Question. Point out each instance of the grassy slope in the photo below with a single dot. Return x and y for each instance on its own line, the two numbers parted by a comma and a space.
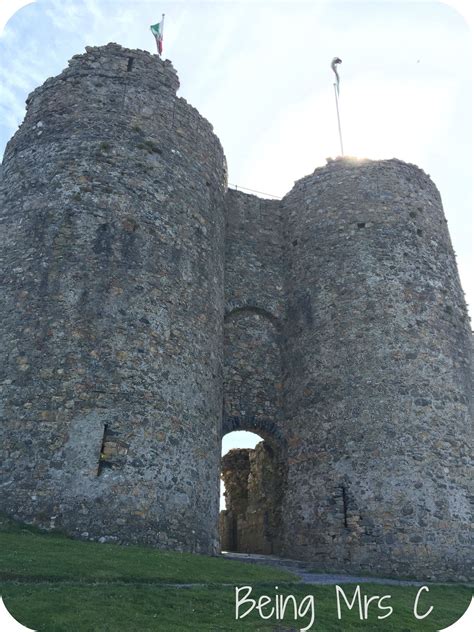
51, 557
53, 584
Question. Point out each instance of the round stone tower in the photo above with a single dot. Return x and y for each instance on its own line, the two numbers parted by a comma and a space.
377, 374
112, 293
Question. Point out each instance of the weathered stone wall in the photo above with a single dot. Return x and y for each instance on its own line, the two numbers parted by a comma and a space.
235, 471
266, 485
112, 296
251, 522
253, 254
254, 298
377, 376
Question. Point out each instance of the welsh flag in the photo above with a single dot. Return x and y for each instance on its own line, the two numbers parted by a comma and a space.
157, 30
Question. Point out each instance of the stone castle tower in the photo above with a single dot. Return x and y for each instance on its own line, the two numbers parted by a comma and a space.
147, 310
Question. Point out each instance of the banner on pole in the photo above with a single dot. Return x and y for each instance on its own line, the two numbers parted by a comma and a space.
157, 30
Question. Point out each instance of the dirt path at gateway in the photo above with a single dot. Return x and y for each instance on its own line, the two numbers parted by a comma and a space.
308, 576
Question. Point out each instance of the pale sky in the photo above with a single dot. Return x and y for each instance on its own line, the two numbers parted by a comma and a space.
260, 73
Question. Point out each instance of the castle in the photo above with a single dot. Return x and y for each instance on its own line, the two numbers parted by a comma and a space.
147, 310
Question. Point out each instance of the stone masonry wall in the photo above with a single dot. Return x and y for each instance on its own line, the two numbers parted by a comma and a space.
254, 299
112, 295
251, 522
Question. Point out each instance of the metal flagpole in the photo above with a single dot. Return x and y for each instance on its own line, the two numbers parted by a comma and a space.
338, 119
334, 64
162, 25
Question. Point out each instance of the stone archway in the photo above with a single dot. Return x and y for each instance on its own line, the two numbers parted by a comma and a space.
254, 478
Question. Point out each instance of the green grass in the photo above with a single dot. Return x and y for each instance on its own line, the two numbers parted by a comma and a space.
51, 583
65, 607
29, 554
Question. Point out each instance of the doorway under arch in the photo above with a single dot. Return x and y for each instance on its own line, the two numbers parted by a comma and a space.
252, 475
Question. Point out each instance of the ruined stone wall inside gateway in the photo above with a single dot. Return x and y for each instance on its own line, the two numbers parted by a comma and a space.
147, 311
254, 484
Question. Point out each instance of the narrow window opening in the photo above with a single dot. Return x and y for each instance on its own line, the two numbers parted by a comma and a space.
419, 232
344, 503
360, 224
102, 451
130, 64
113, 451
295, 242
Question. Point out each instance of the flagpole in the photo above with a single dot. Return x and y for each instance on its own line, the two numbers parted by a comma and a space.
162, 30
338, 119
334, 65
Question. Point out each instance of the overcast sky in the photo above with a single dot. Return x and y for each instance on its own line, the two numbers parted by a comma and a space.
259, 72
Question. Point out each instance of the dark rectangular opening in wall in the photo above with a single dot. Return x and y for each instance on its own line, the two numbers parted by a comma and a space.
419, 232
344, 503
130, 64
102, 446
360, 224
113, 451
